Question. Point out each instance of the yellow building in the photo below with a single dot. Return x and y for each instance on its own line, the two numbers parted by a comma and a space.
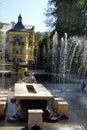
20, 42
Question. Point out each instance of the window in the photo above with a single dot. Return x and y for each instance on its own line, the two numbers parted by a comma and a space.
16, 51
17, 40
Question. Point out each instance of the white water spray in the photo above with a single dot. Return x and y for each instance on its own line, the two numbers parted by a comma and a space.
3, 55
54, 53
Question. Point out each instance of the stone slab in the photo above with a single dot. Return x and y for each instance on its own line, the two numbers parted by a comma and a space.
21, 92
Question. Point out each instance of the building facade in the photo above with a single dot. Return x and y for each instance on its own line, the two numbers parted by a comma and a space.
19, 42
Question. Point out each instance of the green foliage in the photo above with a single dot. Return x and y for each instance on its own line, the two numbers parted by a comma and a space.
67, 16
38, 36
42, 41
1, 24
82, 70
0, 40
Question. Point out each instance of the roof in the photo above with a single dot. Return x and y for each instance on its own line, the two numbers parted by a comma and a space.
10, 26
18, 27
6, 27
28, 26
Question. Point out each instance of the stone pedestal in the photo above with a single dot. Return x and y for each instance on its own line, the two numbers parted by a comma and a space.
62, 108
35, 118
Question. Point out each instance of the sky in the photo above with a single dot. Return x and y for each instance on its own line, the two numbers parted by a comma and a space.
32, 12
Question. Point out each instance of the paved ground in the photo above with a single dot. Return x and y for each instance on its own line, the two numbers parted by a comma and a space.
77, 110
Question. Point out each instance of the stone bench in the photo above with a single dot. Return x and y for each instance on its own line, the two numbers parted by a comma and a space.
62, 108
35, 118
2, 108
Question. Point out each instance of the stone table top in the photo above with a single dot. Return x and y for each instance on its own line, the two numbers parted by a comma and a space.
41, 92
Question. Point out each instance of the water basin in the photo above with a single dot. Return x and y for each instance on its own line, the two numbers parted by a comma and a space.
30, 89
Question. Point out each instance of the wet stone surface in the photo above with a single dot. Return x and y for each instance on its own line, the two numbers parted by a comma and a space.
77, 110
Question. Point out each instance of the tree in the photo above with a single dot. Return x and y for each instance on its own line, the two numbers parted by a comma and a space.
82, 71
38, 36
1, 25
67, 16
42, 42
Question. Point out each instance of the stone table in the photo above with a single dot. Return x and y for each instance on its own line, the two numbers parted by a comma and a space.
31, 96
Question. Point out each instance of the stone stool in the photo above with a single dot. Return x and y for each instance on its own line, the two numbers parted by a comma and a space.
3, 98
35, 118
54, 102
2, 108
62, 108
4, 93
